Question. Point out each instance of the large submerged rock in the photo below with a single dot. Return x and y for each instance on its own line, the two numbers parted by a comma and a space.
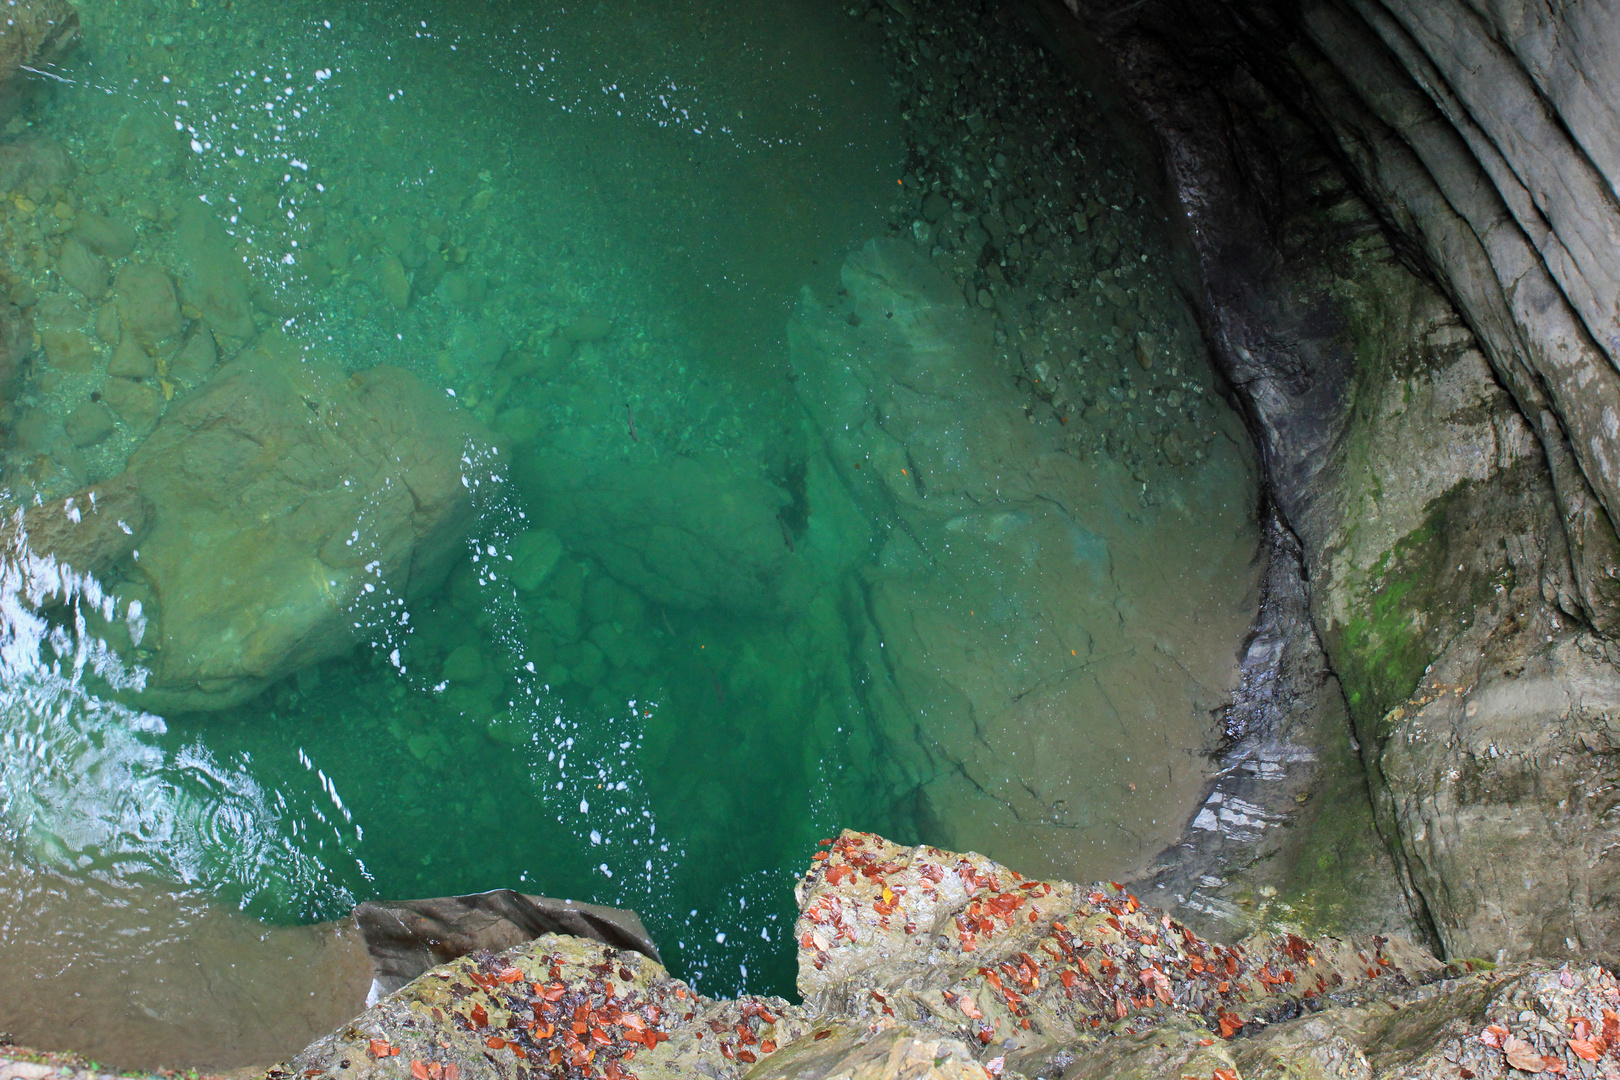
1049, 639
292, 506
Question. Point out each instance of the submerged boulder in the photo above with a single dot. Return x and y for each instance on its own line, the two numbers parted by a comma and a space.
1049, 644
293, 505
36, 32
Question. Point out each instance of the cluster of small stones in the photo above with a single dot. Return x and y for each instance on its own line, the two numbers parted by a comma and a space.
1019, 195
23, 1063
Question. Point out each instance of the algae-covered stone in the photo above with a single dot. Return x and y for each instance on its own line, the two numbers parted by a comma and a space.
215, 281
534, 556
83, 269
393, 282
292, 501
130, 361
147, 307
464, 665
68, 348
196, 359
137, 404
89, 424
106, 237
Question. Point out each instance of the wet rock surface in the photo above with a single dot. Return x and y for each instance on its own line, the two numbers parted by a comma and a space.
291, 504
918, 962
1031, 640
1450, 531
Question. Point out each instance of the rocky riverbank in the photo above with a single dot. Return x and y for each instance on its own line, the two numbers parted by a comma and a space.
917, 962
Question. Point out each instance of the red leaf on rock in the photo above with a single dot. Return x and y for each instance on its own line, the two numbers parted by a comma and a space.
479, 1016
495, 1042
1230, 1024
1494, 1036
418, 1070
1522, 1054
379, 1048
1225, 1074
1583, 1049
509, 975
747, 1057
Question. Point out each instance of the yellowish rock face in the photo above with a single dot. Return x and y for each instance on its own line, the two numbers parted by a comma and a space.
293, 502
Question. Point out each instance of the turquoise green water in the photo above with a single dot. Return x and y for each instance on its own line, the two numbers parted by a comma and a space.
945, 541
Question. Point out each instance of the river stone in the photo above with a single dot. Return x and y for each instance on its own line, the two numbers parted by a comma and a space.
88, 530
68, 349
16, 338
393, 282
130, 361
137, 404
83, 269
534, 556
196, 359
282, 491
89, 424
464, 665
215, 281
147, 307
107, 328
106, 237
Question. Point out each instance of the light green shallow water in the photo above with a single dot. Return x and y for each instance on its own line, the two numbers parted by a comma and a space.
815, 561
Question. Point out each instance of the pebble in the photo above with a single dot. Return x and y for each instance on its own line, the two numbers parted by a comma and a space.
197, 359
393, 282
130, 361
83, 269
137, 404
106, 237
147, 305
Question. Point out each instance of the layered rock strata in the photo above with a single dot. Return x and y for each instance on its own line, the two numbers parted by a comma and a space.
1407, 356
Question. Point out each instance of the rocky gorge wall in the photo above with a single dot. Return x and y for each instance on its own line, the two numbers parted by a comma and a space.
1401, 214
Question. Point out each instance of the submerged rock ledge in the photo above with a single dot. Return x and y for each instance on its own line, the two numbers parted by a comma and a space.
918, 962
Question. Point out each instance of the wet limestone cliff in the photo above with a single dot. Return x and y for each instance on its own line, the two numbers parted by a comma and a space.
1403, 220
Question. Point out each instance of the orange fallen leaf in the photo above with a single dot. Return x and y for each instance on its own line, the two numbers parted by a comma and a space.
495, 1042
1225, 1074
1522, 1054
379, 1048
1583, 1049
418, 1070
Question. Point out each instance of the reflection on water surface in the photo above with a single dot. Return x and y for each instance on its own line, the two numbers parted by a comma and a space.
538, 477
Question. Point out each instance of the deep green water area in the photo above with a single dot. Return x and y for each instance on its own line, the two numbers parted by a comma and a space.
787, 530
